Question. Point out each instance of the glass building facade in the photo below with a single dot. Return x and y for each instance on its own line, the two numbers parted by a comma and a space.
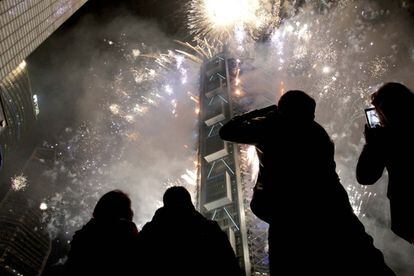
17, 106
24, 243
25, 24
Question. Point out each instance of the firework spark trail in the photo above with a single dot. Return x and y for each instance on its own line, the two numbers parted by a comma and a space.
219, 20
121, 147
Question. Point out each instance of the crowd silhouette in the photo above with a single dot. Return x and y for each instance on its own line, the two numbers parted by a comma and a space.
313, 229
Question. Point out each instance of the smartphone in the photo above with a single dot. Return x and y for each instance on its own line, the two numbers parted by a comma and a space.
372, 117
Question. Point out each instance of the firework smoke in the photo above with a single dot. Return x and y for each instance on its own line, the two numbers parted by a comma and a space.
135, 118
340, 55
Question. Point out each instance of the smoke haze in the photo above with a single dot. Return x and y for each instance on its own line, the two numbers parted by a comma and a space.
115, 105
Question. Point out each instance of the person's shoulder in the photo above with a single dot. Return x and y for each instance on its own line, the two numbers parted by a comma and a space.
88, 229
213, 227
205, 222
318, 129
128, 226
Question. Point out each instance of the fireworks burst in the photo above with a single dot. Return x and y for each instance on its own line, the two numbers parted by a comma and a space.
220, 20
19, 183
316, 51
150, 90
43, 206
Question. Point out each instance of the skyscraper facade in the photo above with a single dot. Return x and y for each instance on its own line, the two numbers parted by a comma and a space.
25, 24
18, 112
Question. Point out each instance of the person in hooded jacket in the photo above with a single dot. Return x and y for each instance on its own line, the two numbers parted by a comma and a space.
391, 147
107, 244
179, 241
312, 227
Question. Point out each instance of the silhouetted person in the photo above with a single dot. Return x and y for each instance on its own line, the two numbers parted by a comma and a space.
392, 146
313, 229
107, 244
180, 241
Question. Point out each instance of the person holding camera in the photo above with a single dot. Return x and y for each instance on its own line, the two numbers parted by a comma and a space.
313, 229
391, 146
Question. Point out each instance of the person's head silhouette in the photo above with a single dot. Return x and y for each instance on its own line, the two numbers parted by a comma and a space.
394, 103
297, 106
177, 197
113, 205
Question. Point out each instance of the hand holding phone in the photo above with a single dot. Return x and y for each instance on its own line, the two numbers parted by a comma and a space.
372, 117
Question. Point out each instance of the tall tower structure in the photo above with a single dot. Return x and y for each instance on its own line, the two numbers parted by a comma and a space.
221, 195
225, 189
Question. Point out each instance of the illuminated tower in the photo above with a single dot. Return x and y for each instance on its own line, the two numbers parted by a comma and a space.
223, 193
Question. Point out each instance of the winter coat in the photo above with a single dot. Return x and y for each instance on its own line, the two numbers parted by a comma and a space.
394, 150
183, 242
313, 229
104, 248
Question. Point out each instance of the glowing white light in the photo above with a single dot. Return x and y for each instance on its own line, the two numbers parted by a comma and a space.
174, 107
152, 73
326, 69
36, 104
19, 183
22, 65
240, 34
219, 19
290, 28
303, 32
168, 90
179, 59
136, 52
43, 206
237, 92
184, 76
140, 110
190, 177
129, 118
114, 108
253, 162
230, 12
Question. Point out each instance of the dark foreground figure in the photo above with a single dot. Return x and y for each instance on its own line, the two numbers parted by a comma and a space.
313, 229
392, 146
107, 244
180, 241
